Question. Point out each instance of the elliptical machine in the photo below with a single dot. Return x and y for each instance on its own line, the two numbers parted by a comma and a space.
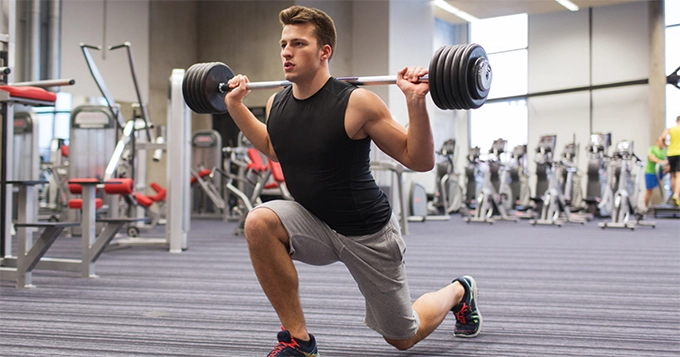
555, 208
490, 203
628, 187
471, 173
571, 177
599, 189
448, 195
519, 178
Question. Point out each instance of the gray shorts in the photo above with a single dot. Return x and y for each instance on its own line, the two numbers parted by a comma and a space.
376, 262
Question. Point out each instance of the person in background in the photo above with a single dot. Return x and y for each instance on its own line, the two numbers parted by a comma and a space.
656, 155
673, 157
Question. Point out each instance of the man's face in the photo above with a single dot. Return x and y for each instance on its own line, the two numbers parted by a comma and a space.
300, 52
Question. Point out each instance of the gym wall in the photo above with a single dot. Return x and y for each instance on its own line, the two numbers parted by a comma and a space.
562, 51
375, 37
105, 23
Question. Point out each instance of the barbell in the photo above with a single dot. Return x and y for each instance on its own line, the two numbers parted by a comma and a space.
459, 78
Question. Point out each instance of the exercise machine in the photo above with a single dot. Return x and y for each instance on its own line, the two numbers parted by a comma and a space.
448, 196
519, 178
599, 190
472, 178
555, 208
206, 189
571, 182
490, 203
625, 213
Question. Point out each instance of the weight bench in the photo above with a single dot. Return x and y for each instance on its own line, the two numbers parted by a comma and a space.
93, 244
29, 256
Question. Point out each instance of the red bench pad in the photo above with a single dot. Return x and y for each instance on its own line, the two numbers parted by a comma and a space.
77, 203
35, 93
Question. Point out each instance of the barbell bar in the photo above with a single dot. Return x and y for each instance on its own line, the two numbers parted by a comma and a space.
459, 78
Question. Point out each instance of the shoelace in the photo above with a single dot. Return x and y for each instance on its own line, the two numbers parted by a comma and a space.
282, 345
460, 315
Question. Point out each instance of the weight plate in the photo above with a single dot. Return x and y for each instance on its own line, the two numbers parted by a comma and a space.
206, 93
442, 74
439, 79
197, 89
188, 87
445, 78
432, 81
454, 78
217, 73
464, 64
481, 70
191, 97
479, 76
480, 73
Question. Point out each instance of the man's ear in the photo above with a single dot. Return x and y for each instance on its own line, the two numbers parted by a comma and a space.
326, 52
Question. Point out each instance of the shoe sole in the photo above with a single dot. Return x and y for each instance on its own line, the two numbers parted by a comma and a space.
475, 294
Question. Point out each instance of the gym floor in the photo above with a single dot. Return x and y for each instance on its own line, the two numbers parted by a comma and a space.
544, 291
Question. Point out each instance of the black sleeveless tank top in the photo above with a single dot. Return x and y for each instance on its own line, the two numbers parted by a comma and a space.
327, 172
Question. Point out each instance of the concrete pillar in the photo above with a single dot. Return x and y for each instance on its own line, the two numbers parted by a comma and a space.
657, 70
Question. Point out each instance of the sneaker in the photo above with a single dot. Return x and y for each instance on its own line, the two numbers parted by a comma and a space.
468, 318
288, 347
676, 200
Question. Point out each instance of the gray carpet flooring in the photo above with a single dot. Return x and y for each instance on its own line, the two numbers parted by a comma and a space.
544, 291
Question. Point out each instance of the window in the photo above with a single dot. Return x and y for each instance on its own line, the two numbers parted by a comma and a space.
53, 122
672, 12
502, 120
505, 40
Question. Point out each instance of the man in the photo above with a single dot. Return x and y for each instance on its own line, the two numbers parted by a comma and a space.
674, 158
320, 130
655, 155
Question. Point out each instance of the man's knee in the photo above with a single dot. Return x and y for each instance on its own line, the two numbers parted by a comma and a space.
263, 224
401, 344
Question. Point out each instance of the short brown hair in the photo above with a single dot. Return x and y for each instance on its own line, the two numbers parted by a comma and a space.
324, 27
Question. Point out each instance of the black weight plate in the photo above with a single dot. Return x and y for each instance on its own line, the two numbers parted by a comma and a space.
452, 79
444, 77
215, 74
478, 77
192, 89
199, 85
432, 75
474, 85
464, 65
479, 73
441, 76
455, 78
199, 88
208, 92
188, 87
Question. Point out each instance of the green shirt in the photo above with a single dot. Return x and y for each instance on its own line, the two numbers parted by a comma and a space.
659, 153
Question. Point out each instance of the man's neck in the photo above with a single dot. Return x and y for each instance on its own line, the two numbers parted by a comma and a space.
305, 89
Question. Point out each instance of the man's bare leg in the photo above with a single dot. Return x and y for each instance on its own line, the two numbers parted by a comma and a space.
268, 246
432, 309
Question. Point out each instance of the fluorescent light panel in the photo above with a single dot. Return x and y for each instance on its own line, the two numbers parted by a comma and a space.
454, 10
568, 4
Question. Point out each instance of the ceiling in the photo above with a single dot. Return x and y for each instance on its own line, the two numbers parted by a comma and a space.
483, 9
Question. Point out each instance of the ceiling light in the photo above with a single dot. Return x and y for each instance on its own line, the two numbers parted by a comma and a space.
568, 4
454, 10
